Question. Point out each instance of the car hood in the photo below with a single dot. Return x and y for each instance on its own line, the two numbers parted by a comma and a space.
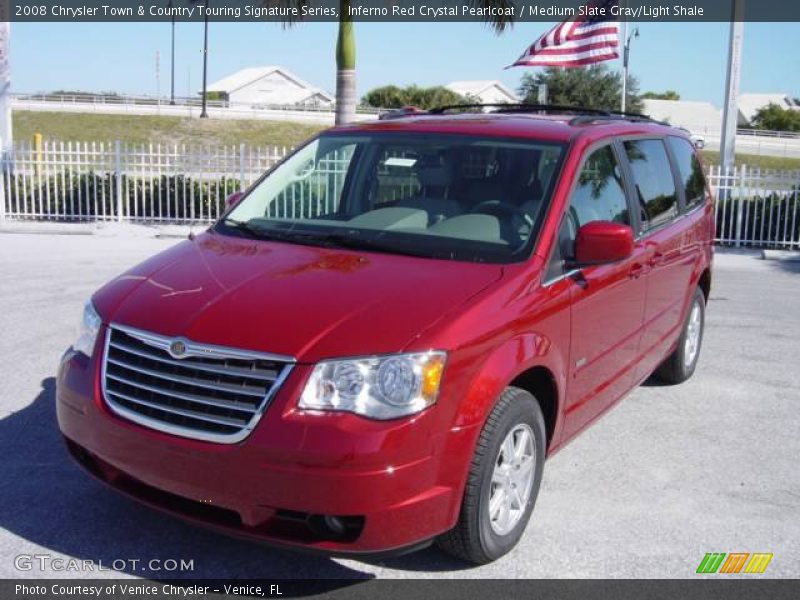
302, 301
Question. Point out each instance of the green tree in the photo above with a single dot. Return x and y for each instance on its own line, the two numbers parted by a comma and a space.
346, 47
391, 96
587, 87
775, 118
668, 95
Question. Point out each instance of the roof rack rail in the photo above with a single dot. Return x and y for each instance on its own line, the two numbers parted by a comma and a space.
583, 115
518, 107
615, 116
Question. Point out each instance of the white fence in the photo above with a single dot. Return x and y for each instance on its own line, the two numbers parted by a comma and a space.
67, 181
96, 181
757, 207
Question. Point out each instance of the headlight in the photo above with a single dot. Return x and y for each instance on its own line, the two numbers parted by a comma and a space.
380, 387
88, 330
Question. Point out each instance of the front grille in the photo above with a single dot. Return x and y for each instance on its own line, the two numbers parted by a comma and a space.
199, 391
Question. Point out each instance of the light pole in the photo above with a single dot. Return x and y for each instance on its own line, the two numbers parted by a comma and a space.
730, 115
626, 55
172, 68
158, 78
204, 110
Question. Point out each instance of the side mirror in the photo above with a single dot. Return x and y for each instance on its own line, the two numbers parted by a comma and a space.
601, 242
233, 200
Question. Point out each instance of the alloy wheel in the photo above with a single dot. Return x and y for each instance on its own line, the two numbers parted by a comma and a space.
512, 479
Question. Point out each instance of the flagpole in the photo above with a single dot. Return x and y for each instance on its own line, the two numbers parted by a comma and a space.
627, 38
730, 116
624, 65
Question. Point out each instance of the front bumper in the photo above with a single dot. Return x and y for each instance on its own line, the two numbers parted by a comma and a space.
393, 485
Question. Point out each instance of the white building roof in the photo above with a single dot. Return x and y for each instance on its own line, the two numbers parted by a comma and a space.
479, 88
250, 75
750, 104
697, 117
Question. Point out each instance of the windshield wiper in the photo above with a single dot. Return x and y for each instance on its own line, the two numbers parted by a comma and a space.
334, 239
244, 226
260, 232
356, 242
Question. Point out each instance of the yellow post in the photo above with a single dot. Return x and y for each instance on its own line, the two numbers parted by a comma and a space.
37, 152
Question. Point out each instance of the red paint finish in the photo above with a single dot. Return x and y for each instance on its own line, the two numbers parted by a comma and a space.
595, 333
602, 242
233, 199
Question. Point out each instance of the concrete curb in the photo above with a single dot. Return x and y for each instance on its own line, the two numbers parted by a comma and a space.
102, 229
781, 255
34, 231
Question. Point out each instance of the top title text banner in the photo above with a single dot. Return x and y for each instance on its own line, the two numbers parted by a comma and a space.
386, 10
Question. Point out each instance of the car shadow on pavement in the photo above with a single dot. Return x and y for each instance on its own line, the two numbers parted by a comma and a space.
430, 560
48, 501
654, 381
788, 266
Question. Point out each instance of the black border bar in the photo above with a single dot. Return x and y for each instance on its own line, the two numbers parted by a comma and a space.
704, 586
383, 10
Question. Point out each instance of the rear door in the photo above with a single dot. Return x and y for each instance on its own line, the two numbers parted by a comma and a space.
664, 235
607, 300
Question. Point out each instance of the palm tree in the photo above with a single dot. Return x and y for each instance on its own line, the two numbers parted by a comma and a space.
346, 49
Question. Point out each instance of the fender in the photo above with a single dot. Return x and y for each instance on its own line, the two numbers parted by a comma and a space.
703, 263
507, 362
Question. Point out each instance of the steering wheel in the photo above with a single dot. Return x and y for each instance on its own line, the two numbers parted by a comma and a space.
512, 218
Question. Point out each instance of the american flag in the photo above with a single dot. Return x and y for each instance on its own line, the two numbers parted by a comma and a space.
581, 40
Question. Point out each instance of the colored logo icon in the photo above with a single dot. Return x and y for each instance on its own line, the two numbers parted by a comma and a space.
733, 563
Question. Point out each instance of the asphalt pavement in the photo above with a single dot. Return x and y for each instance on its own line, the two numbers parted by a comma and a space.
668, 475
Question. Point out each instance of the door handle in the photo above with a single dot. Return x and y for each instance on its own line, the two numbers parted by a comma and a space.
656, 260
636, 271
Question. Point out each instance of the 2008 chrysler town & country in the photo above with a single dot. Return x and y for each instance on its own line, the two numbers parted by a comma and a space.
381, 341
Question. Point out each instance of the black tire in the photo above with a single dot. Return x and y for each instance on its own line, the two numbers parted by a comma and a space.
473, 538
675, 369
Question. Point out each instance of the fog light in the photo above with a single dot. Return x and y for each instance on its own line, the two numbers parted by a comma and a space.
335, 524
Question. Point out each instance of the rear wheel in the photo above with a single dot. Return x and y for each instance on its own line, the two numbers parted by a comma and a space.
503, 481
682, 362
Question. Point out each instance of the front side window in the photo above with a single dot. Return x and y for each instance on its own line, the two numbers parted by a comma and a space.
654, 184
691, 171
599, 195
439, 196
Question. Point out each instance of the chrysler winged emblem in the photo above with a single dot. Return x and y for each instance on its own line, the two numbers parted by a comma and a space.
177, 349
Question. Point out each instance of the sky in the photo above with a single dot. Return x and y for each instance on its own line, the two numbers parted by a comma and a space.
687, 57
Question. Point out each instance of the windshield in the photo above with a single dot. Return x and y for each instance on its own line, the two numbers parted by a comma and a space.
438, 196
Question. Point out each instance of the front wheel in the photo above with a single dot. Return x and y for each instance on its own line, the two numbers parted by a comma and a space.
680, 365
503, 481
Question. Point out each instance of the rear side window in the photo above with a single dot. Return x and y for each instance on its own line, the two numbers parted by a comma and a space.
691, 171
654, 183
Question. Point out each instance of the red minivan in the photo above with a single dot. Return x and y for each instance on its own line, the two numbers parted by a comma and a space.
381, 341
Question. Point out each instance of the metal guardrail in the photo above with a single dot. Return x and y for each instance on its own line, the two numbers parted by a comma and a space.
145, 100
791, 135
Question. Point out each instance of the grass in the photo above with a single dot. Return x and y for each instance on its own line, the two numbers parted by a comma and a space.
85, 127
88, 127
754, 160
